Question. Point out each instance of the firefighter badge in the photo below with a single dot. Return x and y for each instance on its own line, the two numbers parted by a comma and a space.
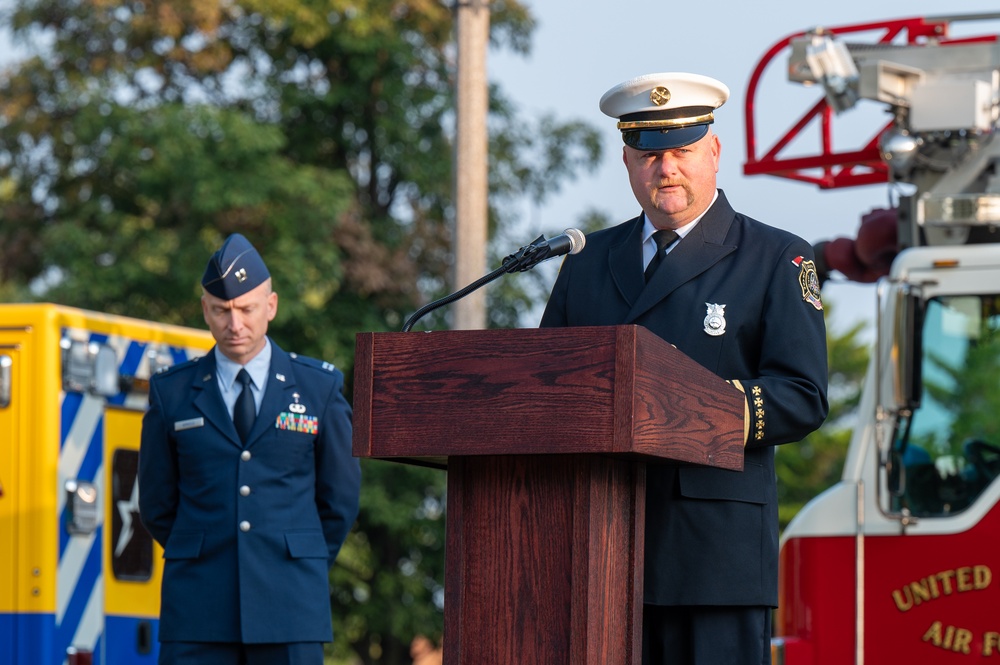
809, 282
715, 319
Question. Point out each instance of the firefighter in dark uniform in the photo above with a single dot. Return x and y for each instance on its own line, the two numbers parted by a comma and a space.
247, 479
742, 299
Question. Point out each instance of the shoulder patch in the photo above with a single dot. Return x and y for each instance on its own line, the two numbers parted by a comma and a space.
809, 282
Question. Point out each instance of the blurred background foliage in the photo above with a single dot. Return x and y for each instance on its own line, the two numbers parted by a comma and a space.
135, 135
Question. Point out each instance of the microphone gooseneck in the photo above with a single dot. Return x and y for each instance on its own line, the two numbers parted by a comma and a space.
571, 241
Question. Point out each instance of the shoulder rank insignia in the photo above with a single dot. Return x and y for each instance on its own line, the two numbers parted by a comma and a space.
715, 319
163, 369
809, 282
313, 362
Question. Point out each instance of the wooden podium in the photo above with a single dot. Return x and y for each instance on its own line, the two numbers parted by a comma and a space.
545, 434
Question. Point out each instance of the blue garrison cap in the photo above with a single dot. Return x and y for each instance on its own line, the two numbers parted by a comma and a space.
235, 269
664, 111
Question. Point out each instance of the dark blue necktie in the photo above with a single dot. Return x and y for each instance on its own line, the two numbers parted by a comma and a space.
245, 411
662, 238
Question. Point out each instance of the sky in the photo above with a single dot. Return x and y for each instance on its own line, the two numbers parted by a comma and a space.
581, 49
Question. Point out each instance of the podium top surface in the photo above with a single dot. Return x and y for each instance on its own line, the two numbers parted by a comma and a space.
619, 390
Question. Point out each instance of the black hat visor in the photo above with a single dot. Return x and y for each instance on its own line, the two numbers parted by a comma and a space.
663, 138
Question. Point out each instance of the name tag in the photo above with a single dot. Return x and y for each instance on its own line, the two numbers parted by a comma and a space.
188, 424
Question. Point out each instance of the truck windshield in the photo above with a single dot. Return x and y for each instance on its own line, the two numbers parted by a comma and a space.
950, 445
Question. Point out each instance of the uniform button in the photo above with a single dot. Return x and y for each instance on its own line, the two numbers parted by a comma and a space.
244, 526
245, 456
245, 490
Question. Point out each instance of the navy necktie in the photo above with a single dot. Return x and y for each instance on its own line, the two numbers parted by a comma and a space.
662, 238
245, 411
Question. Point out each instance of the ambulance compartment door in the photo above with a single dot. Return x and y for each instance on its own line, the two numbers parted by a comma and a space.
8, 503
133, 561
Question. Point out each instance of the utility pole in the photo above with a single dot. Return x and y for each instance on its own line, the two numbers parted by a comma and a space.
471, 163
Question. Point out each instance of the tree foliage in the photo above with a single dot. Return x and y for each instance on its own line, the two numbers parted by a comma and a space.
807, 468
967, 389
340, 91
394, 566
136, 135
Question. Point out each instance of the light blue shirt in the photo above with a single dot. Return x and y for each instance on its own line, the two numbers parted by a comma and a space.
258, 369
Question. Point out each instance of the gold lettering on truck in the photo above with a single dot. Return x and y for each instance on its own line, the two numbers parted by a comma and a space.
938, 585
949, 637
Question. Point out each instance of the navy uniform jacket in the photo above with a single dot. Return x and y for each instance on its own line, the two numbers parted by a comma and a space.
712, 534
249, 532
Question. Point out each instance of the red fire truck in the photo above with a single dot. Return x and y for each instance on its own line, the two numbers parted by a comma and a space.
899, 562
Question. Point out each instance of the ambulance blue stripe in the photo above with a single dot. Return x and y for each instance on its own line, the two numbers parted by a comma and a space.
99, 649
179, 355
70, 407
81, 595
63, 533
133, 356
91, 462
89, 466
32, 643
122, 637
7, 634
128, 367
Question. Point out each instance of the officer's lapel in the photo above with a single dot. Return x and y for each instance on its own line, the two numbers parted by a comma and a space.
277, 396
699, 250
208, 398
625, 263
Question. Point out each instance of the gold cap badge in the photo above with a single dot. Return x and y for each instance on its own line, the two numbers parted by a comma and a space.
659, 95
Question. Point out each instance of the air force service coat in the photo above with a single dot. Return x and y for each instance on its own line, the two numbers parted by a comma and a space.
712, 534
249, 531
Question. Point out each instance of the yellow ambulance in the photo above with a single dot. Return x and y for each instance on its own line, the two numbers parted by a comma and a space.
79, 575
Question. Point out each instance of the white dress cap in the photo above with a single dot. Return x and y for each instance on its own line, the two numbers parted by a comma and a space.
663, 92
665, 110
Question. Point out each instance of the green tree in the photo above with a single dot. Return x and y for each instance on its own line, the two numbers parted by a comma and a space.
807, 468
137, 134
344, 89
398, 556
968, 390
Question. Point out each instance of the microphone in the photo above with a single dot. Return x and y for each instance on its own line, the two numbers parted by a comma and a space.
570, 242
